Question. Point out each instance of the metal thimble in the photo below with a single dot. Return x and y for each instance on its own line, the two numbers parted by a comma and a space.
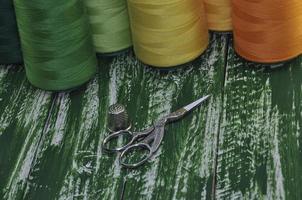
118, 118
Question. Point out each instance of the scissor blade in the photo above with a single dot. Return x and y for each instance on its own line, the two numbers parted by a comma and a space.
196, 103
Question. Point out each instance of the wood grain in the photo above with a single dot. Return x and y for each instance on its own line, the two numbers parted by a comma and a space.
23, 114
50, 143
70, 163
259, 148
184, 166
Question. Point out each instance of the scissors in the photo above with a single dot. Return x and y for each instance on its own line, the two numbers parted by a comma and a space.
149, 139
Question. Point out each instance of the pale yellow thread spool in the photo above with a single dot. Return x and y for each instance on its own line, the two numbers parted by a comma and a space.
219, 14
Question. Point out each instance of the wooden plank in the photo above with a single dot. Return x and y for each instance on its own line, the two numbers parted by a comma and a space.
260, 153
23, 113
70, 163
67, 155
183, 168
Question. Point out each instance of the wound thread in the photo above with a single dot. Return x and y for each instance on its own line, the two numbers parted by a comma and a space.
267, 31
110, 25
10, 50
168, 33
56, 43
219, 14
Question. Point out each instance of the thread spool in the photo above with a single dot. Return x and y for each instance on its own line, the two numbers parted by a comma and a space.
168, 33
56, 43
267, 31
219, 14
10, 50
110, 25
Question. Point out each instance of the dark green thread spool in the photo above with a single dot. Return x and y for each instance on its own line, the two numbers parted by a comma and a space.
10, 50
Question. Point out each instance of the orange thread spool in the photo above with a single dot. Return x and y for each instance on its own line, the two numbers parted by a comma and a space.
267, 31
219, 14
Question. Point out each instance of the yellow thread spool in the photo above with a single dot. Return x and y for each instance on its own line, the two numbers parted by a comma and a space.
168, 33
219, 14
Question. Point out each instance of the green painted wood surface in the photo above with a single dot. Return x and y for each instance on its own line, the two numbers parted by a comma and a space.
184, 166
244, 143
260, 152
23, 114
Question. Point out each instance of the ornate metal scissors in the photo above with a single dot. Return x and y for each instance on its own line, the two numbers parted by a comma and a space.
149, 139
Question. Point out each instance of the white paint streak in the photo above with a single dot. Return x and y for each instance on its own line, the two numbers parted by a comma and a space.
59, 127
279, 192
89, 121
32, 121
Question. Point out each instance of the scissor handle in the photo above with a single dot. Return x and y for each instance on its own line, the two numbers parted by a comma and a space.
130, 148
114, 136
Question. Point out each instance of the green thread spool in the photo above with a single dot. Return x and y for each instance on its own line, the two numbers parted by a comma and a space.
56, 43
110, 25
10, 50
